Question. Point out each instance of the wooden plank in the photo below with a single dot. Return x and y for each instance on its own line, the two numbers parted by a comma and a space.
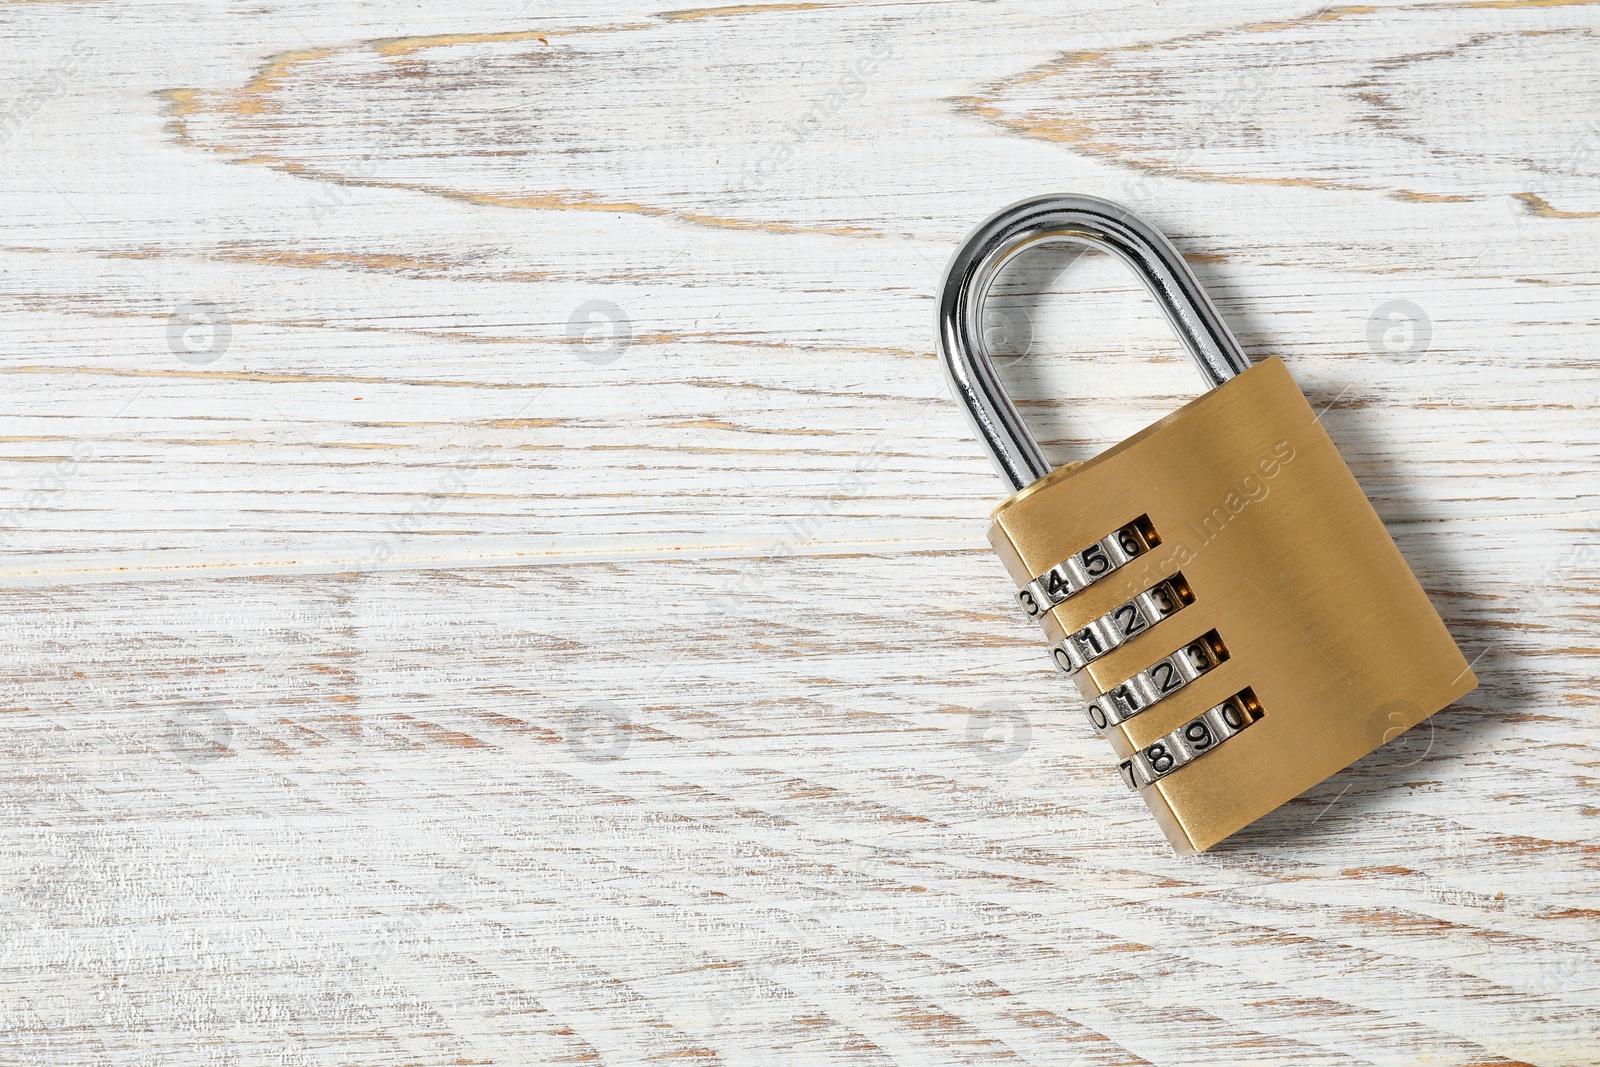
493, 575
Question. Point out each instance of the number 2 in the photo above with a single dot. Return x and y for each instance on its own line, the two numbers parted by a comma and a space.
1128, 620
1166, 676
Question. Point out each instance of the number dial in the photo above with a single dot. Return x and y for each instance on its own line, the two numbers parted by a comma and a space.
1121, 624
1087, 566
1190, 741
1156, 682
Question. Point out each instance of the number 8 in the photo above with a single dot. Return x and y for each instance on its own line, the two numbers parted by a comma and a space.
1161, 760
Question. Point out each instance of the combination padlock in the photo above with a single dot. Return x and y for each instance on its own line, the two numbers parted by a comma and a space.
1239, 623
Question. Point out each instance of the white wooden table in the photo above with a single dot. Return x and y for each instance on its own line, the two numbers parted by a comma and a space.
492, 574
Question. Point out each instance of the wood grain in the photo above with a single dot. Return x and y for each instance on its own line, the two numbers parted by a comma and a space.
493, 575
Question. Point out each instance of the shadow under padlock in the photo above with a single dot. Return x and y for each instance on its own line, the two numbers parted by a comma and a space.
1234, 614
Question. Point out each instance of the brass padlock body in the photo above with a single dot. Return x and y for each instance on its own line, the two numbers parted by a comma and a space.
1286, 562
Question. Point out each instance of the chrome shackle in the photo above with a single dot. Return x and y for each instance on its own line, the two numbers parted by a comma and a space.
1062, 219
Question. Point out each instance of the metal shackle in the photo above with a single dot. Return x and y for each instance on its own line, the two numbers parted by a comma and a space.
1062, 219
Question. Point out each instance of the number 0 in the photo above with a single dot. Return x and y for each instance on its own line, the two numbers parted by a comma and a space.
1232, 716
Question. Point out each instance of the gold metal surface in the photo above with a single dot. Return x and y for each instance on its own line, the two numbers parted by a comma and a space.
1290, 566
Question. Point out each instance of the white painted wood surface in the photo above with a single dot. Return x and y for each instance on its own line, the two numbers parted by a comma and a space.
418, 666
